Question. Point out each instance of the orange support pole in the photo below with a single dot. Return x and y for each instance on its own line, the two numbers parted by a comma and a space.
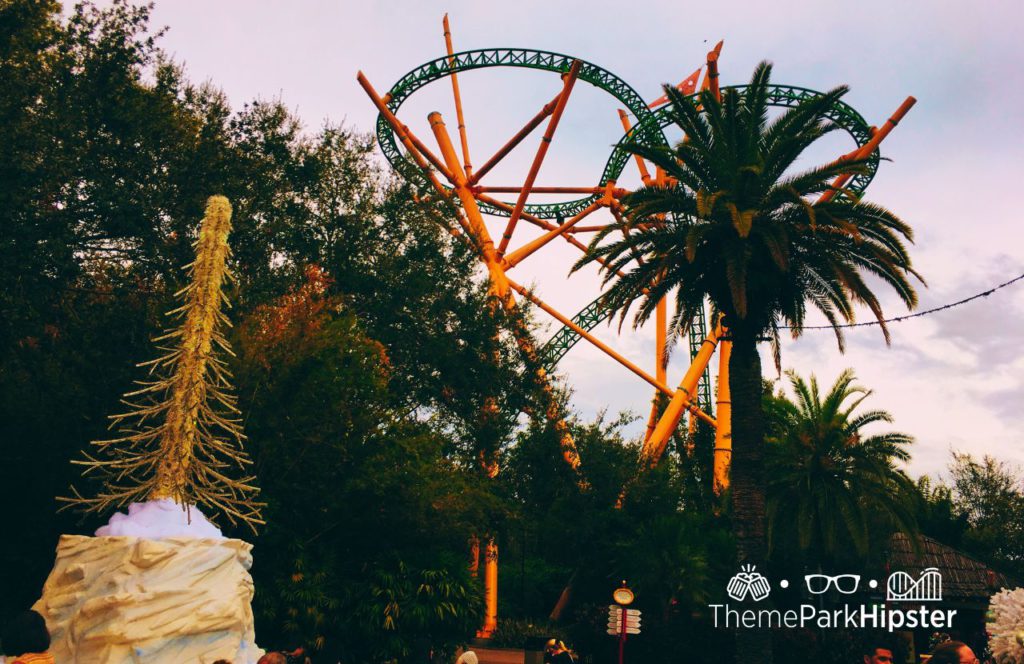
410, 143
682, 400
544, 112
661, 336
538, 159
652, 419
870, 147
458, 100
645, 175
660, 340
499, 283
723, 433
416, 149
591, 338
490, 590
711, 78
518, 255
543, 224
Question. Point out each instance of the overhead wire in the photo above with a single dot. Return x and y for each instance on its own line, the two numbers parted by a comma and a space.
919, 314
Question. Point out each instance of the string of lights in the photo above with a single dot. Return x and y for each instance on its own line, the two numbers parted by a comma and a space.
919, 314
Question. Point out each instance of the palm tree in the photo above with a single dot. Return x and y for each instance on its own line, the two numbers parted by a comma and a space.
828, 480
738, 229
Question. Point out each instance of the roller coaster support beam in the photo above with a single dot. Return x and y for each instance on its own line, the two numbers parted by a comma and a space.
526, 250
684, 399
537, 221
467, 166
499, 282
711, 77
416, 149
544, 112
490, 590
564, 320
645, 175
538, 159
869, 147
723, 414
410, 142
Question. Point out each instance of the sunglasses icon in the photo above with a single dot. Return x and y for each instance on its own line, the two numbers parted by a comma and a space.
818, 584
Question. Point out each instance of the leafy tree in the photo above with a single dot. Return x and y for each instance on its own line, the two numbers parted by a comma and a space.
738, 229
113, 153
988, 494
829, 480
938, 516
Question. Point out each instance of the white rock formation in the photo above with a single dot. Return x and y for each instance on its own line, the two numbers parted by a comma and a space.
125, 599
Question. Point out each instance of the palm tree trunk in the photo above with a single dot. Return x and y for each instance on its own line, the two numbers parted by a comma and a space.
748, 482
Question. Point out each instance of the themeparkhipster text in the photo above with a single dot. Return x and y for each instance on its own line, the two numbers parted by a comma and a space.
875, 616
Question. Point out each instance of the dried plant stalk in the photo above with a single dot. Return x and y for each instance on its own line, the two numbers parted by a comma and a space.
181, 436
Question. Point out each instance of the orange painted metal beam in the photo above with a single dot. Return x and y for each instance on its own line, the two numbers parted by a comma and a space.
499, 283
645, 175
660, 359
415, 148
405, 136
588, 229
538, 159
723, 434
537, 221
490, 591
404, 133
870, 147
534, 122
467, 166
683, 399
661, 337
518, 255
709, 79
564, 320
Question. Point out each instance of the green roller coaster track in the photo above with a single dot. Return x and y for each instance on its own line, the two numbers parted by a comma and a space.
648, 129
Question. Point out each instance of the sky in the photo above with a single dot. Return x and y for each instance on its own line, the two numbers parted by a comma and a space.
953, 169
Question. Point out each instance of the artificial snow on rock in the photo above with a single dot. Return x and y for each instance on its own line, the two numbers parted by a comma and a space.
157, 519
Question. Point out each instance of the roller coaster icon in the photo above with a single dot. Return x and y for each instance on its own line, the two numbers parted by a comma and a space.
901, 587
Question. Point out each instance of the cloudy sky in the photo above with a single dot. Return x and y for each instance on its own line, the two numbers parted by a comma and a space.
954, 380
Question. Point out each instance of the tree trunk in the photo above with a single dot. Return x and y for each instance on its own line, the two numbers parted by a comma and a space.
748, 483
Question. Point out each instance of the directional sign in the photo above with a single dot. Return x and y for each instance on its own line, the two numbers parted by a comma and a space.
632, 630
613, 632
632, 612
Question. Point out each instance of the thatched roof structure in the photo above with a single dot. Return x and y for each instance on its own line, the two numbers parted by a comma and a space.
963, 578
